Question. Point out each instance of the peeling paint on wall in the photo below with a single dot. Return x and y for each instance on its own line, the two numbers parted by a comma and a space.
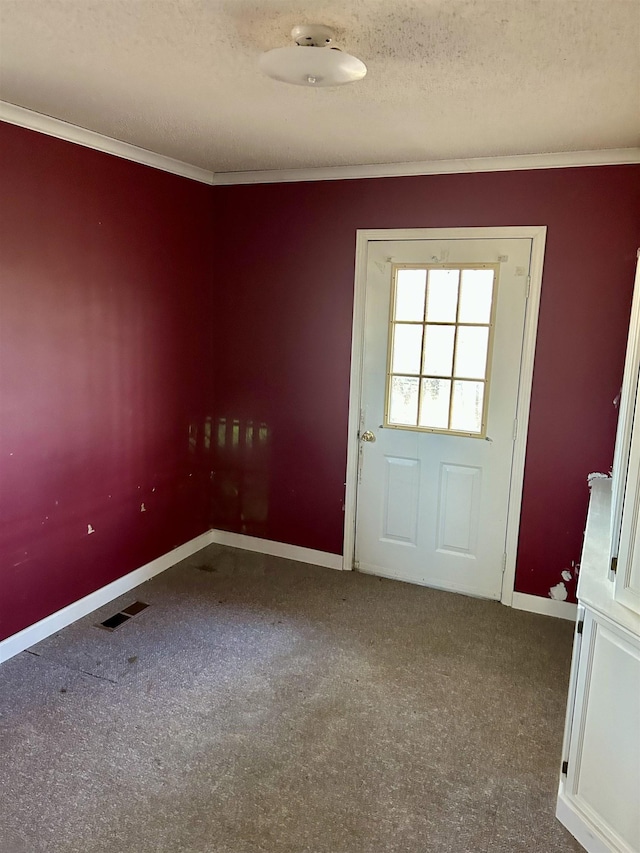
105, 418
558, 592
566, 575
596, 475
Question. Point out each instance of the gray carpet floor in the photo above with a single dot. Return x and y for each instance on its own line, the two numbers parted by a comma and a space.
260, 704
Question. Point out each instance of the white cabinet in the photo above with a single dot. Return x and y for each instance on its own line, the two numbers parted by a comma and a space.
599, 795
599, 798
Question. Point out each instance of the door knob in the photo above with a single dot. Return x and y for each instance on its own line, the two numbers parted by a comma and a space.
367, 436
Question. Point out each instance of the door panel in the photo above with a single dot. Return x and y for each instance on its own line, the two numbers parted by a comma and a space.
402, 485
432, 502
459, 509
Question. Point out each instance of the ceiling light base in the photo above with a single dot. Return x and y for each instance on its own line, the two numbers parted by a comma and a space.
312, 35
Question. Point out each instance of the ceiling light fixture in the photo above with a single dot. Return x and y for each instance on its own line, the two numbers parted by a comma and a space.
317, 64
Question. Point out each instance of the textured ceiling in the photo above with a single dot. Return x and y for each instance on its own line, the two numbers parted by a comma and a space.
447, 78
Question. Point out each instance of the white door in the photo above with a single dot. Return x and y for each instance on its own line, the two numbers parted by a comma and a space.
444, 322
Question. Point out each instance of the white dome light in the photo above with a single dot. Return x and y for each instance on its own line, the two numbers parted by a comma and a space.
311, 61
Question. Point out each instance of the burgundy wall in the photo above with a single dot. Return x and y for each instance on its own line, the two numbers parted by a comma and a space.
105, 312
283, 335
114, 393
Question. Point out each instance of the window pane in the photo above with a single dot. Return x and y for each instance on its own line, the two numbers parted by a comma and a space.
434, 405
410, 288
442, 296
438, 350
403, 405
471, 351
476, 291
466, 411
407, 346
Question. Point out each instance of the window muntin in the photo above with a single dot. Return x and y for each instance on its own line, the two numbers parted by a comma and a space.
440, 341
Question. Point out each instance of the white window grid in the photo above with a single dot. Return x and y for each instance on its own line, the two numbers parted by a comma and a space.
452, 378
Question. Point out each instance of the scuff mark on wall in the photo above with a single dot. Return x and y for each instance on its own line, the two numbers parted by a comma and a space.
90, 529
558, 592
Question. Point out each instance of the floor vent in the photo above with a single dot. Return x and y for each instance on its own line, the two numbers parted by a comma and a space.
114, 622
135, 608
123, 616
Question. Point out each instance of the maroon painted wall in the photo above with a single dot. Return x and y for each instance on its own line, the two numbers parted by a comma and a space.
187, 348
105, 311
283, 335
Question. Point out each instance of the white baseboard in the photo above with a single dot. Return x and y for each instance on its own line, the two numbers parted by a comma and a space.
56, 621
545, 606
589, 837
277, 549
76, 610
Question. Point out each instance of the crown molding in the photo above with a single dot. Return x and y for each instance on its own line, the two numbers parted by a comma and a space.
516, 162
22, 117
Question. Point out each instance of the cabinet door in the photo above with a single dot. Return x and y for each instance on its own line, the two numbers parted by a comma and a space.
624, 432
625, 541
603, 774
627, 583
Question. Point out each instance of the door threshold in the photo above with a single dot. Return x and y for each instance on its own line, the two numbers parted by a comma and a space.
378, 571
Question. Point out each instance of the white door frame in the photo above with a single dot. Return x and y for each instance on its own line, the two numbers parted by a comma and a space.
537, 234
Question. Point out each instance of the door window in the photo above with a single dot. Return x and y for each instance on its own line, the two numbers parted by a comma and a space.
440, 340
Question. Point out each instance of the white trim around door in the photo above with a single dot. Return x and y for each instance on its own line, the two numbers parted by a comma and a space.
537, 234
